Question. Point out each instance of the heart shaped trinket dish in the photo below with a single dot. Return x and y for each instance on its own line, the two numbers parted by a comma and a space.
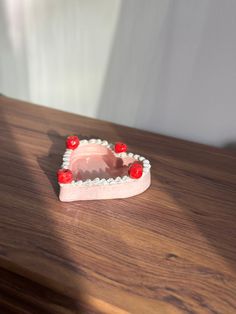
95, 169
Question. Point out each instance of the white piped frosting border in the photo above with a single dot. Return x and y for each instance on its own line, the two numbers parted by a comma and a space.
97, 181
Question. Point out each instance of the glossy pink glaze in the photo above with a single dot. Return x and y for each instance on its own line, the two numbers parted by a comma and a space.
90, 161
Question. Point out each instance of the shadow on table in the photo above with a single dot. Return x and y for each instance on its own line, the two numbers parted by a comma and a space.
208, 201
30, 246
231, 146
52, 161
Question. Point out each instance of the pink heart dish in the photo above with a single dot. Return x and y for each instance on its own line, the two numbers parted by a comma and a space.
95, 169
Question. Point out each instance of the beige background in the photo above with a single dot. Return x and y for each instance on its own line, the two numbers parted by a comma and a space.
164, 66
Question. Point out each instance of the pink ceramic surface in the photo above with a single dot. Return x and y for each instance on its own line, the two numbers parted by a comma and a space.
100, 173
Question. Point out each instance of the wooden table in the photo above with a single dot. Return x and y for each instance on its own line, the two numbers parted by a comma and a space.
168, 250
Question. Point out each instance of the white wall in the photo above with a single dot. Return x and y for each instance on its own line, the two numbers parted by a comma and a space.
59, 48
165, 66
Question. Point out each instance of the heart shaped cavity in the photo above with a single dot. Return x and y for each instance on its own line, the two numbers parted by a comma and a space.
96, 161
101, 173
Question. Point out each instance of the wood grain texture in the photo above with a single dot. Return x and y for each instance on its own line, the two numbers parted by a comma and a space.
168, 250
